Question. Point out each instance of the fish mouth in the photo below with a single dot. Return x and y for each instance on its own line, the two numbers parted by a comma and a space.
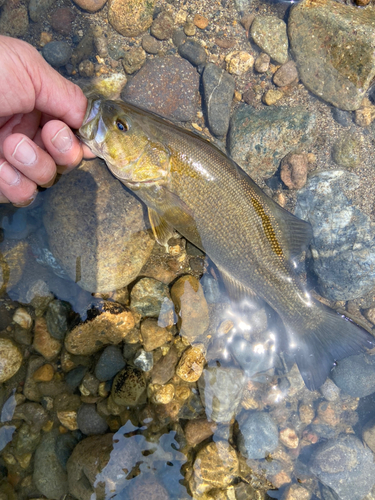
93, 127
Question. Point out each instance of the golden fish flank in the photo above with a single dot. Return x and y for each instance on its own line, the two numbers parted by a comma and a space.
192, 187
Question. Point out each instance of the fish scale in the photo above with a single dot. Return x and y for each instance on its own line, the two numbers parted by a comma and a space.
190, 186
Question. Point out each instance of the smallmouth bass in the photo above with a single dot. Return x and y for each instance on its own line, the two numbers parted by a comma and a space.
191, 186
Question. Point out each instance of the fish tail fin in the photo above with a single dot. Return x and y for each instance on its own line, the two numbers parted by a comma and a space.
326, 337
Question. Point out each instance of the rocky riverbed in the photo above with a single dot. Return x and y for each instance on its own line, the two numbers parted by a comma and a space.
125, 371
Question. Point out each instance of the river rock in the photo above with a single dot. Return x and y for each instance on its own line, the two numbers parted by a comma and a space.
49, 476
216, 466
153, 335
38, 9
167, 86
190, 366
333, 45
193, 52
343, 249
12, 263
345, 151
356, 375
10, 359
130, 17
221, 391
133, 60
148, 296
14, 20
191, 307
346, 466
90, 5
164, 369
89, 421
162, 26
129, 386
258, 140
57, 318
269, 33
111, 361
110, 327
258, 435
44, 343
218, 86
286, 74
151, 45
57, 53
96, 230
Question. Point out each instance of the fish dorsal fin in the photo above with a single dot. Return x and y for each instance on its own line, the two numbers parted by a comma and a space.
294, 234
162, 230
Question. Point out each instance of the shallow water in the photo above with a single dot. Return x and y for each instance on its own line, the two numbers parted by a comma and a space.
210, 406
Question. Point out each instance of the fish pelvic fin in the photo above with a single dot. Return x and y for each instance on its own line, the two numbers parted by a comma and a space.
316, 348
162, 230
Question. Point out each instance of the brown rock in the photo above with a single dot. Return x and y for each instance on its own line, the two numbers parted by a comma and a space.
286, 74
239, 62
90, 5
130, 17
289, 438
110, 327
10, 359
262, 63
23, 318
161, 395
44, 374
164, 369
95, 229
296, 492
198, 430
191, 307
306, 414
153, 336
133, 60
150, 44
216, 466
167, 86
247, 20
86, 68
61, 20
12, 262
272, 96
44, 343
200, 21
294, 170
364, 116
129, 387
225, 42
14, 20
190, 366
329, 413
190, 28
362, 3
163, 26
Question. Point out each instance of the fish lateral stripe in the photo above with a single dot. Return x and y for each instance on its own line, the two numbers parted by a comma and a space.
267, 227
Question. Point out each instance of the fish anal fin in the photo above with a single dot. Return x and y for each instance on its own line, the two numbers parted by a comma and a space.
162, 230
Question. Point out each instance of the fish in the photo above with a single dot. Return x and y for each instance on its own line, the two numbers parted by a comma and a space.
191, 187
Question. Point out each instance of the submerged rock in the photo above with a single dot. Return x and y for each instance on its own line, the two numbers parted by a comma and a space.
258, 435
334, 47
343, 248
96, 230
130, 17
269, 33
356, 375
346, 466
258, 140
10, 359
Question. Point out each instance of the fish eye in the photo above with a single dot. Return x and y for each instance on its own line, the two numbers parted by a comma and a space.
121, 126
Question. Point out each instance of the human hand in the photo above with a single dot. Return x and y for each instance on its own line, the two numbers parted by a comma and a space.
37, 107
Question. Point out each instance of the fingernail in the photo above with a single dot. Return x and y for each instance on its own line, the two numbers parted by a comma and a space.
50, 183
8, 174
24, 153
27, 202
62, 140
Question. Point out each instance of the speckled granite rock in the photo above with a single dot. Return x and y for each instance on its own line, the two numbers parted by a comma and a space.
96, 230
333, 45
167, 86
130, 17
269, 33
343, 249
258, 140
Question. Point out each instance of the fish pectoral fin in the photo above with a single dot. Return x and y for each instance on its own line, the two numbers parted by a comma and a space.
295, 234
236, 290
162, 230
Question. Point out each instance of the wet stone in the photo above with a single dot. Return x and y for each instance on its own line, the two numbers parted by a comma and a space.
89, 421
147, 297
100, 240
144, 360
239, 62
178, 37
272, 96
150, 44
61, 20
44, 343
86, 68
258, 140
111, 361
216, 466
14, 20
133, 60
22, 318
167, 86
258, 435
356, 375
153, 336
344, 118
368, 435
44, 374
218, 88
333, 45
294, 170
57, 53
74, 377
14, 256
193, 52
190, 366
221, 391
39, 296
191, 307
189, 28
49, 476
129, 387
286, 74
84, 49
345, 151
162, 27
269, 33
130, 17
346, 466
146, 489
90, 5
198, 430
38, 9
57, 318
262, 63
342, 248
164, 369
